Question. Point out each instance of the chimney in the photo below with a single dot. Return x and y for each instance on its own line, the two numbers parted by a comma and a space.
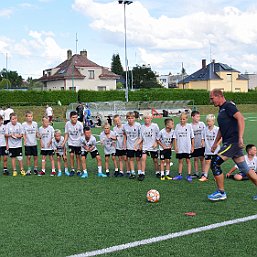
203, 63
69, 54
83, 53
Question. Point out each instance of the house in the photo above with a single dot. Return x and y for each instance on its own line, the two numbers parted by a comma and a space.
170, 81
252, 80
215, 75
78, 72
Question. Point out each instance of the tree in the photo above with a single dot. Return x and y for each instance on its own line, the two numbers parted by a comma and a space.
116, 66
5, 83
14, 78
144, 77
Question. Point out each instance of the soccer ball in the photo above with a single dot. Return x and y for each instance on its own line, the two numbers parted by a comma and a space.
153, 196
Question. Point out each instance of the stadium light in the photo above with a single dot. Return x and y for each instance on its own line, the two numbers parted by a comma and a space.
125, 45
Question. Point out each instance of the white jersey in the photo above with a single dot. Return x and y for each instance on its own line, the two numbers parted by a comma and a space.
209, 137
2, 113
11, 130
252, 164
119, 132
89, 143
183, 136
2, 135
74, 133
108, 143
7, 113
132, 134
30, 131
46, 135
49, 111
166, 137
57, 145
149, 135
198, 130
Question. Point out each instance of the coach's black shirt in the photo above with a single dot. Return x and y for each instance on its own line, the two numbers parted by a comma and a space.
227, 123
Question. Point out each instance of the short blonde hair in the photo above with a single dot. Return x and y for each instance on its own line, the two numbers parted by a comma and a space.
57, 131
210, 117
183, 114
147, 115
106, 124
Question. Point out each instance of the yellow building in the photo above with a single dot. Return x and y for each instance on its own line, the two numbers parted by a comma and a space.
215, 75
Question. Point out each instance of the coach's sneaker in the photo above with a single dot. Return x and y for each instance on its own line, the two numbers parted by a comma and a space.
67, 173
255, 197
41, 173
23, 173
168, 177
72, 173
141, 177
14, 173
101, 175
179, 177
59, 174
78, 173
203, 179
189, 178
53, 173
217, 196
84, 175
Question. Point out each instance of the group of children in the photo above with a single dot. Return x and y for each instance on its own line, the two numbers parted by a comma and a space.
126, 145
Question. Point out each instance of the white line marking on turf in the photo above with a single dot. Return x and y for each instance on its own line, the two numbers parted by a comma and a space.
163, 238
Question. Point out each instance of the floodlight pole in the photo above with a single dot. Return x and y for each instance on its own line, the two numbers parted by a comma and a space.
125, 46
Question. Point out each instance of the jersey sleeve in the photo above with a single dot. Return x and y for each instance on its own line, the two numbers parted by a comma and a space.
191, 132
231, 109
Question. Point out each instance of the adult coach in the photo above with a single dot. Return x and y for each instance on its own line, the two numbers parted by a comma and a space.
231, 130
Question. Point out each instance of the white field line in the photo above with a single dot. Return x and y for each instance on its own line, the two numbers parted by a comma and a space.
163, 238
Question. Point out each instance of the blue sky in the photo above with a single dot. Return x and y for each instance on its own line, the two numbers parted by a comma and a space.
36, 35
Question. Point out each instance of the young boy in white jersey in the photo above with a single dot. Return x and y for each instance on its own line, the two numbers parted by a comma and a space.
184, 146
108, 140
120, 145
132, 134
13, 135
165, 139
73, 133
208, 137
198, 154
46, 134
251, 161
30, 136
60, 151
88, 145
3, 151
148, 137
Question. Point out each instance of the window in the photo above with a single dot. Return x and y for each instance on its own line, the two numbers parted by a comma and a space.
72, 88
101, 88
62, 88
229, 77
237, 89
91, 74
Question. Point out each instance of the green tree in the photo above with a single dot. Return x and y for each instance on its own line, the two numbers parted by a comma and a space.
144, 77
13, 76
116, 66
5, 83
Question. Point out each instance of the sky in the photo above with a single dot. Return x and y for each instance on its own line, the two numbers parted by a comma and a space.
35, 35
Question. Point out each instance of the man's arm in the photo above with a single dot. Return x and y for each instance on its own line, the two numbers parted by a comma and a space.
241, 127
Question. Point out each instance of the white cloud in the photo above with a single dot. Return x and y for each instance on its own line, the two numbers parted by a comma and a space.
6, 12
229, 30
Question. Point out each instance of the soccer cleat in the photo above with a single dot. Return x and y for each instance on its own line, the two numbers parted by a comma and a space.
59, 174
255, 197
28, 173
53, 173
128, 174
168, 177
67, 173
6, 172
78, 173
189, 178
72, 173
158, 175
179, 177
41, 173
132, 176
217, 196
120, 174
203, 179
23, 173
14, 173
195, 175
101, 175
141, 177
116, 173
162, 177
108, 174
35, 172
84, 175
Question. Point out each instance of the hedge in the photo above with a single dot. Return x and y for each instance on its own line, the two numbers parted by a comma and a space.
200, 97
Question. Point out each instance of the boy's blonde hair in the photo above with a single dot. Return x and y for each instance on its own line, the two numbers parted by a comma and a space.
28, 113
210, 117
106, 124
130, 114
147, 115
57, 131
183, 114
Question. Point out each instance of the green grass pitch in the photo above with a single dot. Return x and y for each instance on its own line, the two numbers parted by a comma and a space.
54, 217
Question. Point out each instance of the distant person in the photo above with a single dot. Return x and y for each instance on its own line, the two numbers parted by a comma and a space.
49, 113
7, 112
98, 121
80, 111
87, 115
109, 120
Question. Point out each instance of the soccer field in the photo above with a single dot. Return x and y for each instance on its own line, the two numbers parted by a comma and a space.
52, 216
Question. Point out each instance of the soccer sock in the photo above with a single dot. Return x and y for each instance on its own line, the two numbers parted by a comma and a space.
143, 172
99, 169
65, 169
133, 172
44, 170
167, 172
139, 172
85, 171
162, 172
107, 171
53, 170
121, 171
60, 171
116, 169
157, 172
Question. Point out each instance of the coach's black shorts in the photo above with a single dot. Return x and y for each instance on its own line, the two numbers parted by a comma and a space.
47, 152
153, 154
120, 152
231, 150
183, 156
93, 154
14, 152
3, 151
31, 150
165, 154
133, 153
198, 152
75, 149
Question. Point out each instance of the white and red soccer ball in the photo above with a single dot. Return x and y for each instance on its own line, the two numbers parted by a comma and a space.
153, 196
